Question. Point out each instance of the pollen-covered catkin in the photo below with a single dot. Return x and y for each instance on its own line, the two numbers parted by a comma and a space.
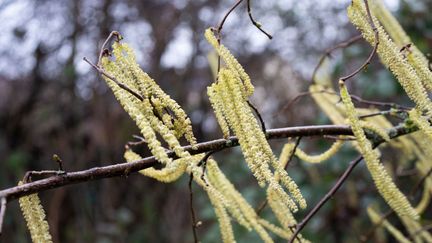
414, 56
253, 143
391, 56
222, 184
170, 173
421, 122
388, 190
231, 62
220, 204
154, 112
233, 89
376, 129
217, 104
34, 215
319, 157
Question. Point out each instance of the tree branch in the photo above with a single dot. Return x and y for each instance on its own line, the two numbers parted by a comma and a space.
124, 169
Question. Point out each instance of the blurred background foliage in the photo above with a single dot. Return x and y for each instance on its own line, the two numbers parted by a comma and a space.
52, 102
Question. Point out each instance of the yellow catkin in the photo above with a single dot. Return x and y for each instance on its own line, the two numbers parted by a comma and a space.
220, 203
34, 215
286, 153
390, 56
148, 88
170, 173
425, 200
414, 56
376, 219
253, 143
231, 62
232, 90
376, 129
320, 157
217, 105
156, 113
222, 184
134, 109
416, 230
421, 122
224, 220
282, 213
388, 190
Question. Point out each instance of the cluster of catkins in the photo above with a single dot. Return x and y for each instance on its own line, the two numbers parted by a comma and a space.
155, 113
229, 97
411, 69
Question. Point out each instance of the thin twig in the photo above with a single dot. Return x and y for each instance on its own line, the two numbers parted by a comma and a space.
220, 26
203, 163
323, 200
409, 172
2, 212
297, 143
192, 210
358, 99
121, 85
374, 50
401, 114
258, 25
379, 103
140, 141
328, 52
261, 206
263, 127
219, 30
103, 48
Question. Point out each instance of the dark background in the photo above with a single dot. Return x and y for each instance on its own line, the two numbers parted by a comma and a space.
52, 102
